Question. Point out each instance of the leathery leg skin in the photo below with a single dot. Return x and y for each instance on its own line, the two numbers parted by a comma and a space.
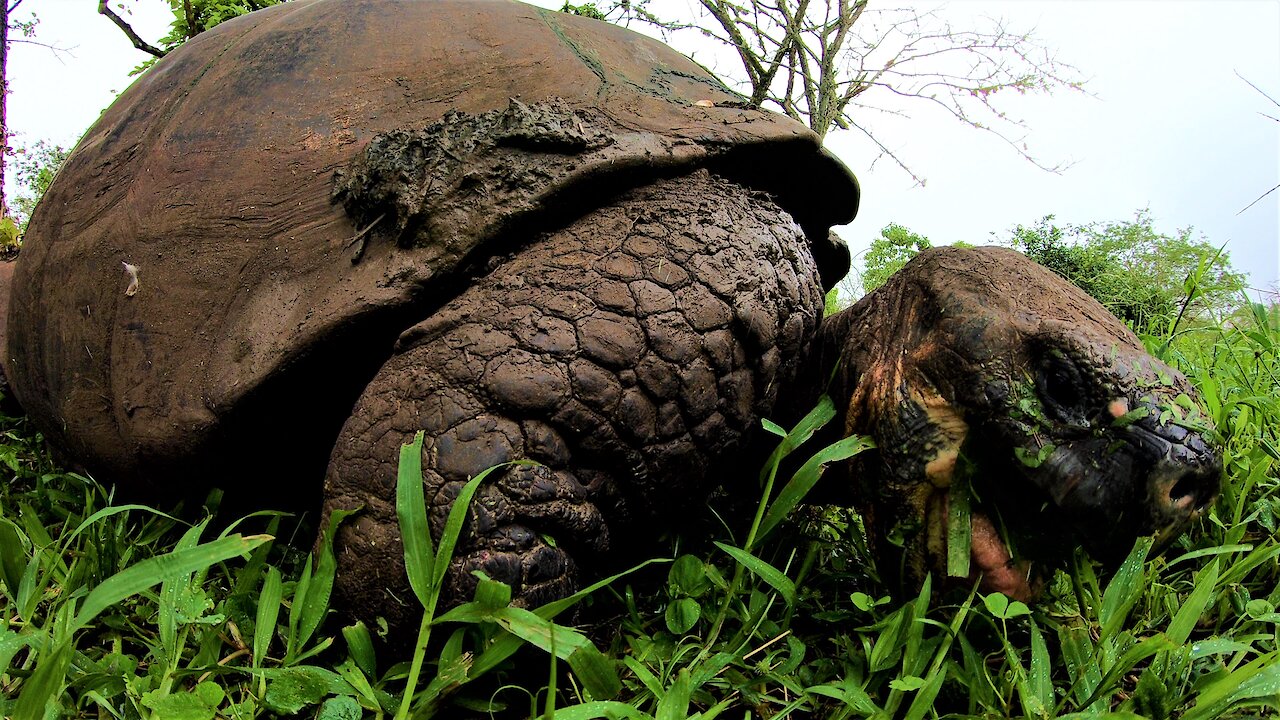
629, 353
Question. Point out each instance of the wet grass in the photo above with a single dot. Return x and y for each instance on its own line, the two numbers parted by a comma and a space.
122, 611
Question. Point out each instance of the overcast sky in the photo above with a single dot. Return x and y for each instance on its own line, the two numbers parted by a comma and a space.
1166, 125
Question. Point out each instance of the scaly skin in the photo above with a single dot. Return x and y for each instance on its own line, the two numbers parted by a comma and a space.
630, 353
979, 361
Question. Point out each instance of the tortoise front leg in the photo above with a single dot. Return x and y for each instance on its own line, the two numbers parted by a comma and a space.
630, 353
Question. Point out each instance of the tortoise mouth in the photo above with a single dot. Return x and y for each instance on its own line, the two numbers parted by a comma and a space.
1022, 522
994, 561
1000, 531
1017, 532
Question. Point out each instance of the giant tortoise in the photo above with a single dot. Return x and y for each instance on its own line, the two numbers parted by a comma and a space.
316, 230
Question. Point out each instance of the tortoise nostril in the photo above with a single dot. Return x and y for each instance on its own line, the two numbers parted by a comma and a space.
1193, 491
1182, 491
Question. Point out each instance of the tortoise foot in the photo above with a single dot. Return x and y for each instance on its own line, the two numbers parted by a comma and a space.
536, 572
521, 528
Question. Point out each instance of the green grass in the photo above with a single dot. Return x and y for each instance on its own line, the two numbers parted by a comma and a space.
122, 611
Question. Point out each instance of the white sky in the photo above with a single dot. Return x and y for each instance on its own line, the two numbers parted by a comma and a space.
1169, 126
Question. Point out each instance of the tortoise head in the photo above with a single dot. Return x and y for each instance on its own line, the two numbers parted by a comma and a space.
978, 368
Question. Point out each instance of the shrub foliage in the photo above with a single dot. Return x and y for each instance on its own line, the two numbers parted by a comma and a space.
1147, 278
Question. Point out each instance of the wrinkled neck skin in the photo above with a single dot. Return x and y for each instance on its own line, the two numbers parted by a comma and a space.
863, 375
976, 364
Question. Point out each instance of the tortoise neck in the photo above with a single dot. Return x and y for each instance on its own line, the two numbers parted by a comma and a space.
837, 356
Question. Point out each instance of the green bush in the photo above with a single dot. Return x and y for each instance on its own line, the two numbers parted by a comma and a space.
1153, 281
889, 253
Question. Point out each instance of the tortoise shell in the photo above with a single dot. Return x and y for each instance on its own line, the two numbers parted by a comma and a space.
232, 250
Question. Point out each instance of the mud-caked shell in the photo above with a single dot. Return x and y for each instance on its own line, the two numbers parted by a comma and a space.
231, 251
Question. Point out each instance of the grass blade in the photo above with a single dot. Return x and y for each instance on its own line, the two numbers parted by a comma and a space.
114, 510
1125, 588
1126, 662
1207, 552
1258, 679
453, 525
169, 590
807, 476
32, 584
153, 571
884, 653
1236, 571
593, 669
505, 647
808, 425
763, 570
849, 693
268, 614
922, 703
316, 603
597, 673
41, 690
360, 647
13, 557
1078, 651
643, 674
430, 574
10, 643
411, 511
674, 704
1038, 682
959, 527
1193, 607
601, 709
912, 662
543, 634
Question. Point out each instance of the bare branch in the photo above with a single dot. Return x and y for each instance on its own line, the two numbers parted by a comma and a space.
721, 11
189, 13
886, 152
1260, 92
791, 39
824, 61
1255, 202
1277, 104
57, 50
138, 42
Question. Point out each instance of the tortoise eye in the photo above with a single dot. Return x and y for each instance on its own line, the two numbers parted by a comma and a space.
1062, 389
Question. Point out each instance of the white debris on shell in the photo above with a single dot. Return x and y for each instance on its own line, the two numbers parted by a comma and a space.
132, 272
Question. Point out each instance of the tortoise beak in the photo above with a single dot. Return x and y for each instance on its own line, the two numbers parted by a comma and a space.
1173, 473
1185, 476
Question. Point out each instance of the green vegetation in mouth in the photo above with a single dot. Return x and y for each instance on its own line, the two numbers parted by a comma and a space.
961, 511
1034, 458
1131, 417
959, 527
